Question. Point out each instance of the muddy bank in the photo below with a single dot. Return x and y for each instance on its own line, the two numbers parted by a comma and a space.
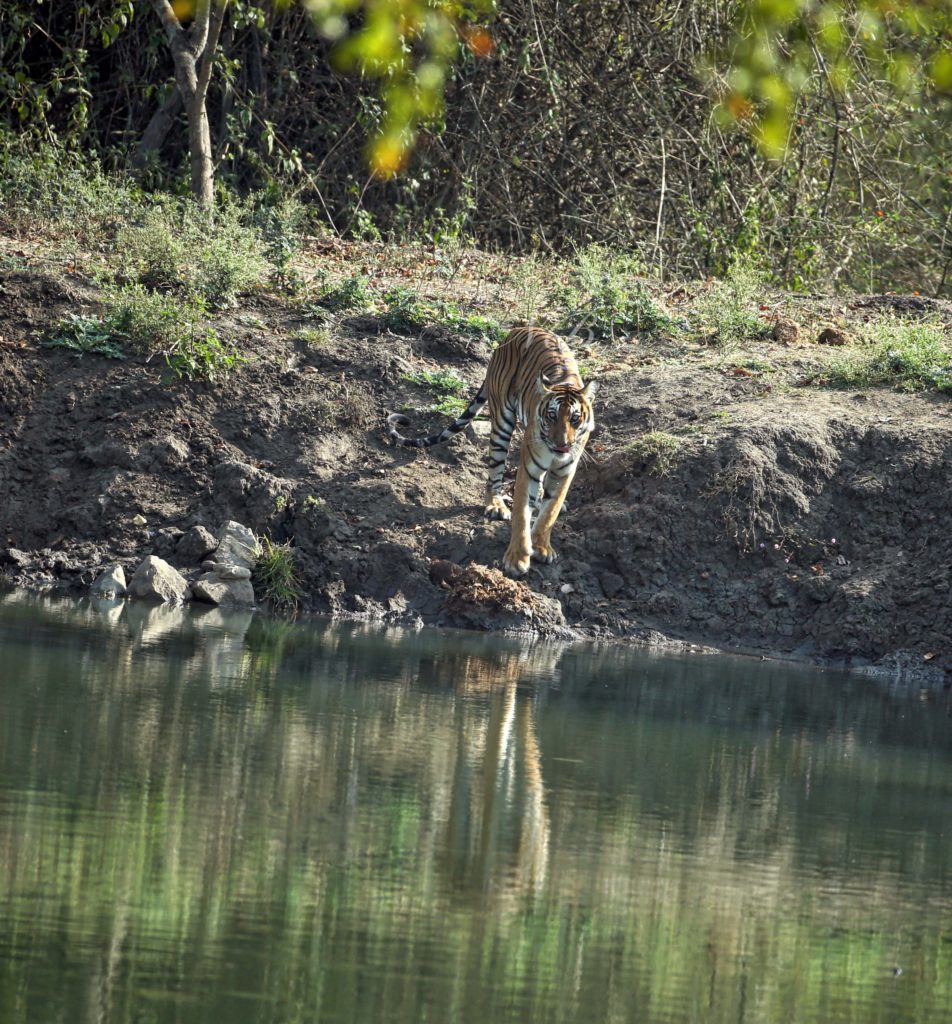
786, 519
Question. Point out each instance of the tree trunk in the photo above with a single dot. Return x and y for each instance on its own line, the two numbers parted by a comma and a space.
157, 129
193, 54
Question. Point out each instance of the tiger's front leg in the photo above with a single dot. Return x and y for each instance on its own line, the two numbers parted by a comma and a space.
525, 495
559, 480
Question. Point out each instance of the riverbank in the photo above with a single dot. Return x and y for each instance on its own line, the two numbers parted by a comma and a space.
732, 498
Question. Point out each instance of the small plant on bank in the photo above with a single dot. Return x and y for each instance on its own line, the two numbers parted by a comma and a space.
87, 335
150, 322
909, 355
275, 575
202, 355
727, 313
659, 450
607, 298
146, 323
313, 336
445, 387
175, 248
347, 296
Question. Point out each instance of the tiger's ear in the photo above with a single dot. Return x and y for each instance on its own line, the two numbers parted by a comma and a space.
542, 384
589, 390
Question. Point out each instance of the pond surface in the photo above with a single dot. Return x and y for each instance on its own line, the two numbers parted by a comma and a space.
213, 819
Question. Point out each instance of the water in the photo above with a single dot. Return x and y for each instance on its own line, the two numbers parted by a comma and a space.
230, 819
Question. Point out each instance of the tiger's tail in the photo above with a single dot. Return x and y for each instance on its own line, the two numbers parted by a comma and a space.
396, 419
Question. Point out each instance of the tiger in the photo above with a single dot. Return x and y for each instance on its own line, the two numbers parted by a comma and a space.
532, 379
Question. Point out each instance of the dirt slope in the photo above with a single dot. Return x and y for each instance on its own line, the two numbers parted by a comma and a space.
790, 520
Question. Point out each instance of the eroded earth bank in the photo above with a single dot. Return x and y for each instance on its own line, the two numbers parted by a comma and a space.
785, 518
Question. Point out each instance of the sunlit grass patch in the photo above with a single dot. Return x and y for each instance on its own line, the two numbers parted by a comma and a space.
658, 450
909, 355
445, 387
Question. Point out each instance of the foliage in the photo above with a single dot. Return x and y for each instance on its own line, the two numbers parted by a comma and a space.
150, 322
275, 575
173, 246
199, 354
408, 46
85, 335
910, 355
350, 294
777, 47
859, 199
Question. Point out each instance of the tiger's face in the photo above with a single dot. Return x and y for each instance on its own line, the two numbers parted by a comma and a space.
566, 418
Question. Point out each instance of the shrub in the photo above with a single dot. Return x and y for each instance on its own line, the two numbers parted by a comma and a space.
85, 335
607, 298
658, 449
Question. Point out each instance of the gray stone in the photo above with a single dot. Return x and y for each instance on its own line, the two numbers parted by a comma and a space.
212, 589
195, 545
111, 582
156, 580
232, 572
237, 545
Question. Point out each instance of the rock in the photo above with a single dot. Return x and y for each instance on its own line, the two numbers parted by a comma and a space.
195, 545
156, 580
237, 545
785, 331
19, 558
232, 572
111, 582
235, 593
611, 583
139, 520
442, 572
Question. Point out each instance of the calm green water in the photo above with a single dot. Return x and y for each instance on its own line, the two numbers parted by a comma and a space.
234, 820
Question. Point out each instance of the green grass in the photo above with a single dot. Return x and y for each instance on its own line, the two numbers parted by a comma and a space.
608, 297
909, 355
275, 576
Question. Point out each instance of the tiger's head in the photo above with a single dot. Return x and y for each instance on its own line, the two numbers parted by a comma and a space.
565, 416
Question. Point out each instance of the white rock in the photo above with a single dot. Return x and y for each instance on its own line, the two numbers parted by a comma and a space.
237, 545
156, 580
111, 582
227, 593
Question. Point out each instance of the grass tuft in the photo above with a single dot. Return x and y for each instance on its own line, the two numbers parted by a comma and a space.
659, 450
275, 576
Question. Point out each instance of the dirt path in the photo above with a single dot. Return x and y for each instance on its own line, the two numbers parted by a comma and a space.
782, 518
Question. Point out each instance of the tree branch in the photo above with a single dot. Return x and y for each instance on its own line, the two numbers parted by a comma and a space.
171, 24
211, 45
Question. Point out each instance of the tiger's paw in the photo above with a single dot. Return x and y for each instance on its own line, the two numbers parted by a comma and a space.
497, 509
516, 563
544, 553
